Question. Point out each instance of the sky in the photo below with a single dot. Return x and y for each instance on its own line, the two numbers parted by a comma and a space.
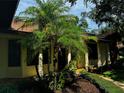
75, 10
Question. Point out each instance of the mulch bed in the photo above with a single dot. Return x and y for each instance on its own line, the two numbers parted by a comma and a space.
80, 86
28, 85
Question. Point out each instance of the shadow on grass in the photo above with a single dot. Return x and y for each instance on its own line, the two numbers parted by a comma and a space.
25, 85
114, 71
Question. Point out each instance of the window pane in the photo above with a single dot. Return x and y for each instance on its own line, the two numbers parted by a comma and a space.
31, 58
14, 53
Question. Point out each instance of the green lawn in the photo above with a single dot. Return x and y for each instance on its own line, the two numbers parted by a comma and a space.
107, 85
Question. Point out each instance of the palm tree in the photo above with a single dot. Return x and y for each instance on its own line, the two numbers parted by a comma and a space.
44, 12
55, 28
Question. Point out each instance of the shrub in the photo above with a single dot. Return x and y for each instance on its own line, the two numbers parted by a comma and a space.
57, 81
108, 73
8, 88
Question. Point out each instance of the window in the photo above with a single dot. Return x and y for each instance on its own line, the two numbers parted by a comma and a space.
14, 53
31, 58
46, 56
92, 49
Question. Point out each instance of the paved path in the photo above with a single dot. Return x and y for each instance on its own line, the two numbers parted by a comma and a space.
119, 84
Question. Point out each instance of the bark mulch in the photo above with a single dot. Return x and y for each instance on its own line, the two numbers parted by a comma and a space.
80, 86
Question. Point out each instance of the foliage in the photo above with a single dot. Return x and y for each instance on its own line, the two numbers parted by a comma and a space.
56, 29
8, 88
57, 81
73, 66
107, 85
110, 12
117, 71
44, 12
108, 73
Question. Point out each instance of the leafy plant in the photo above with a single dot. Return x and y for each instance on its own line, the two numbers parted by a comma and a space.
57, 81
73, 65
108, 73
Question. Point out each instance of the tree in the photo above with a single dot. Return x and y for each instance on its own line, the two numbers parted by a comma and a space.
44, 12
55, 29
110, 12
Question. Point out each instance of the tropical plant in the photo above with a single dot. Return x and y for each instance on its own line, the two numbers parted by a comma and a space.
44, 12
56, 29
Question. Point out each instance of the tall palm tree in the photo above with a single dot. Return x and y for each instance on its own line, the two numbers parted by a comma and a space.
44, 12
55, 28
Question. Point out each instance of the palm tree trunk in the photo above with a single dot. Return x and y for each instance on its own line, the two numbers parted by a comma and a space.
56, 59
69, 55
36, 67
51, 56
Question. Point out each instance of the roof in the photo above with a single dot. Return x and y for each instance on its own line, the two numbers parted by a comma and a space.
94, 37
12, 32
7, 9
111, 36
19, 26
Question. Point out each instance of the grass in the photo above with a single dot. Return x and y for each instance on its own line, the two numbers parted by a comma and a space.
117, 71
107, 85
117, 75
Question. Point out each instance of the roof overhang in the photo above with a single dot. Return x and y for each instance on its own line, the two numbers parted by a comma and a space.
7, 11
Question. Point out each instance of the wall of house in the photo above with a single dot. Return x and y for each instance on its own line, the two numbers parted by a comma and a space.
13, 72
45, 68
5, 71
103, 56
93, 62
103, 50
27, 71
3, 57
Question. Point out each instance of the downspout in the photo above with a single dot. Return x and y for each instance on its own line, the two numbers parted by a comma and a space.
52, 55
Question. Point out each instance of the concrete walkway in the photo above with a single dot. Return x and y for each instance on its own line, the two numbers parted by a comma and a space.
119, 84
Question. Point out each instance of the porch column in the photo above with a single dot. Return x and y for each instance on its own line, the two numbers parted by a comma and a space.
69, 56
99, 55
86, 61
40, 65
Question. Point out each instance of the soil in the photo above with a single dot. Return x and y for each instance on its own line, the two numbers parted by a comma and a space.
80, 86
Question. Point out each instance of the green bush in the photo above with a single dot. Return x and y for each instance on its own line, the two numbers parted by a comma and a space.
8, 88
108, 73
72, 66
57, 81
111, 74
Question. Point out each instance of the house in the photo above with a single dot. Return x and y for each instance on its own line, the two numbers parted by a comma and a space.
102, 51
98, 51
12, 54
14, 58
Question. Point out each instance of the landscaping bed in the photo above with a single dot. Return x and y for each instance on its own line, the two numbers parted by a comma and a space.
29, 85
81, 86
104, 85
84, 83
